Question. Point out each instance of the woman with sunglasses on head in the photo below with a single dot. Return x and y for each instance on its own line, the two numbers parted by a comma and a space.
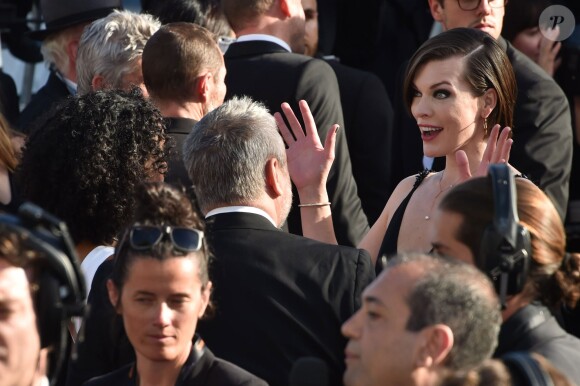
160, 288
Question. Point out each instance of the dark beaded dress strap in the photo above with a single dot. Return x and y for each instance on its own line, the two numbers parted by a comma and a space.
389, 244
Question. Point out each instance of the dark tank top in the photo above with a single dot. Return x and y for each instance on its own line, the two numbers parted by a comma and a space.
389, 244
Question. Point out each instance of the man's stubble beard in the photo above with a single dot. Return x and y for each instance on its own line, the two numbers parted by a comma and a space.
298, 35
286, 201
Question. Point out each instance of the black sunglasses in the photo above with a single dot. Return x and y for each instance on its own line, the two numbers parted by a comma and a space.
143, 237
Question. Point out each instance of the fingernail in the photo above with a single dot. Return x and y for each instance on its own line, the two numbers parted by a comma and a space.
336, 130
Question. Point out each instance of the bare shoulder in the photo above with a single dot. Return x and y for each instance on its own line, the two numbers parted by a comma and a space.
408, 182
371, 242
406, 185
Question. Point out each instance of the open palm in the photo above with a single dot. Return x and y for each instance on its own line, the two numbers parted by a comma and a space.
497, 151
308, 161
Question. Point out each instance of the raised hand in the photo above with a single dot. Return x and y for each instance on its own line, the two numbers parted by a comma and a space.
309, 164
497, 151
308, 161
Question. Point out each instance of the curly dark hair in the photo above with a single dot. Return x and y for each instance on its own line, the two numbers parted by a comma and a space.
85, 161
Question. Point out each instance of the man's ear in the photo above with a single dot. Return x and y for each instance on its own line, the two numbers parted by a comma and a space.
437, 10
98, 83
437, 342
72, 49
285, 7
489, 99
113, 295
273, 178
205, 296
203, 86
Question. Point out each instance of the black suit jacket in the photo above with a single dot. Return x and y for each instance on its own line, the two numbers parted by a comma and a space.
268, 73
279, 296
542, 132
52, 93
543, 141
178, 129
534, 329
380, 36
368, 119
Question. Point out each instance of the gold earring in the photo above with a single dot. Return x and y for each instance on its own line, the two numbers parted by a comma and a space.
485, 127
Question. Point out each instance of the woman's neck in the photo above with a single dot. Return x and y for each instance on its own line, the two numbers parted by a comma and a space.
453, 168
160, 373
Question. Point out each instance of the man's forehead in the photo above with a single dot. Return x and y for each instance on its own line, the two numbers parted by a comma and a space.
4, 263
12, 280
397, 280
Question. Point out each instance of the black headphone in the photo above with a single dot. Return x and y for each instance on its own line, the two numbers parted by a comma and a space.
525, 370
506, 248
62, 291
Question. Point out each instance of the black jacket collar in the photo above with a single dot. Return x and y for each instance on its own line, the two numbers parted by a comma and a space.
526, 327
179, 125
239, 220
252, 48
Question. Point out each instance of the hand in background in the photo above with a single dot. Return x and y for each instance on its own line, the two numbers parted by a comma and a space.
549, 49
497, 151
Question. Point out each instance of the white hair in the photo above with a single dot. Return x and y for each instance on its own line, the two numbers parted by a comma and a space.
111, 47
54, 48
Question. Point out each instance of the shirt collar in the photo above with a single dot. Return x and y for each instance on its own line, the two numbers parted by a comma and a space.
241, 209
70, 85
269, 38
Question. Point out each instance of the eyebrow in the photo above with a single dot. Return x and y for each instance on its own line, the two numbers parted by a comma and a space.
144, 293
439, 84
177, 294
436, 244
414, 86
180, 295
373, 300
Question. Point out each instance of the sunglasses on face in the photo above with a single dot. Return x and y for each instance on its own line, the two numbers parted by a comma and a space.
143, 237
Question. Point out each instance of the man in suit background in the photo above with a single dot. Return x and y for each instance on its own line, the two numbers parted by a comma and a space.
368, 119
264, 64
279, 296
184, 72
65, 21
